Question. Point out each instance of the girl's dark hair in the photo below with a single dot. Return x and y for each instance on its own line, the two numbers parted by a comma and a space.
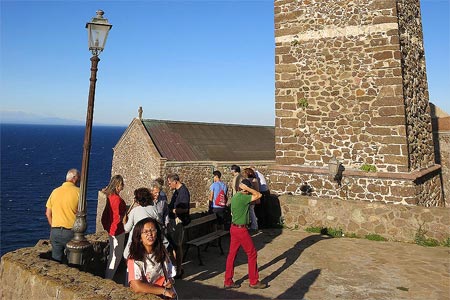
137, 250
249, 173
143, 196
236, 168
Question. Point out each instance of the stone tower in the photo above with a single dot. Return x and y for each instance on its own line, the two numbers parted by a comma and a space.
351, 84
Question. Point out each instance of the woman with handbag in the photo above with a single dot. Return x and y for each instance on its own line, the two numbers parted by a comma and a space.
149, 268
117, 208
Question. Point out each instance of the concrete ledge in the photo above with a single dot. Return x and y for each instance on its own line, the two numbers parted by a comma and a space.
412, 176
25, 274
392, 221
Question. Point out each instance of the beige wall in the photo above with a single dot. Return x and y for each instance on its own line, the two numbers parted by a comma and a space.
136, 159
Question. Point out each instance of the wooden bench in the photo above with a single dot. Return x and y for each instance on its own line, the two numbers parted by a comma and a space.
202, 231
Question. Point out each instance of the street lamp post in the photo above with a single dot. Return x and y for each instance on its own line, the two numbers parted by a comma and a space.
79, 246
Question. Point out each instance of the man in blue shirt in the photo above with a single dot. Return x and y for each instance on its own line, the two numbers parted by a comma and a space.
215, 189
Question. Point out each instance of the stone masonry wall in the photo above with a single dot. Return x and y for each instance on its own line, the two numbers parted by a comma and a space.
351, 84
393, 222
368, 187
27, 273
339, 84
136, 159
415, 88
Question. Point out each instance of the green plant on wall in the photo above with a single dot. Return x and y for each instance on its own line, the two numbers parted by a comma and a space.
368, 168
295, 42
302, 103
422, 240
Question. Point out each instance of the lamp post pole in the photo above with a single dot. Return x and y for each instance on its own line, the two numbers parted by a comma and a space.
79, 247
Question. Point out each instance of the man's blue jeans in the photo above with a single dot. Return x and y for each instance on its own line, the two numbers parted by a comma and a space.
59, 237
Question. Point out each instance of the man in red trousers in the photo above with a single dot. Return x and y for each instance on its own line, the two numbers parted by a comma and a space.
240, 237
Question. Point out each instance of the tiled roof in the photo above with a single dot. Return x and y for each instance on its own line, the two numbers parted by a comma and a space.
190, 141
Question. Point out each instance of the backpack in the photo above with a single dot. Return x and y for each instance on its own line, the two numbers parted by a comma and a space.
221, 199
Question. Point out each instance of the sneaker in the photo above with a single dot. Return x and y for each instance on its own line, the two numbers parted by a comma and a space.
234, 285
258, 285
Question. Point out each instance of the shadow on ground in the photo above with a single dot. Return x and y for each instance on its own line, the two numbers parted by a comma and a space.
206, 282
290, 256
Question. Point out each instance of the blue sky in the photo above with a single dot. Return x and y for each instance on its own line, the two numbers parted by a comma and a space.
208, 61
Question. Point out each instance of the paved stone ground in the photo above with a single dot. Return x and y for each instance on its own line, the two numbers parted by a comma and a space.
299, 265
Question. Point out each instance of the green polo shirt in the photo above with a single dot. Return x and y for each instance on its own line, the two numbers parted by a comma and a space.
239, 208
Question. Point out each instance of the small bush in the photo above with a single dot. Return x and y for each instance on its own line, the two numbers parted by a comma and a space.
368, 168
326, 231
313, 229
375, 237
446, 243
352, 235
335, 232
427, 242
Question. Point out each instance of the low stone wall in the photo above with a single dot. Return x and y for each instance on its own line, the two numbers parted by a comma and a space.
415, 188
27, 273
394, 222
198, 176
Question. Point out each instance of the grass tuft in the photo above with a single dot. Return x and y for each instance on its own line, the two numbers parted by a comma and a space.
375, 237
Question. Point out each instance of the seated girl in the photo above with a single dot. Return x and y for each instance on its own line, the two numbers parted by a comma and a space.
149, 268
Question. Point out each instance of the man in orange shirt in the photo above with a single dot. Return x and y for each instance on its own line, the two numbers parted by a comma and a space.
61, 210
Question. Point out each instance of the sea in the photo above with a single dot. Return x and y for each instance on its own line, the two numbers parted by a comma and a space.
34, 161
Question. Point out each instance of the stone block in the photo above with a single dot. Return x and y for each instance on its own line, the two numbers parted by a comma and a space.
382, 4
289, 160
380, 229
383, 55
389, 81
388, 101
385, 121
283, 113
384, 19
394, 140
396, 160
379, 130
403, 191
289, 122
285, 68
288, 59
288, 84
392, 111
390, 149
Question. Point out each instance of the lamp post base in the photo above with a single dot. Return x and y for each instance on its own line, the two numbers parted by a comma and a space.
79, 252
79, 249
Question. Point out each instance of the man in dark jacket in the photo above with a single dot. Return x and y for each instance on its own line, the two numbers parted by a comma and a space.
178, 217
